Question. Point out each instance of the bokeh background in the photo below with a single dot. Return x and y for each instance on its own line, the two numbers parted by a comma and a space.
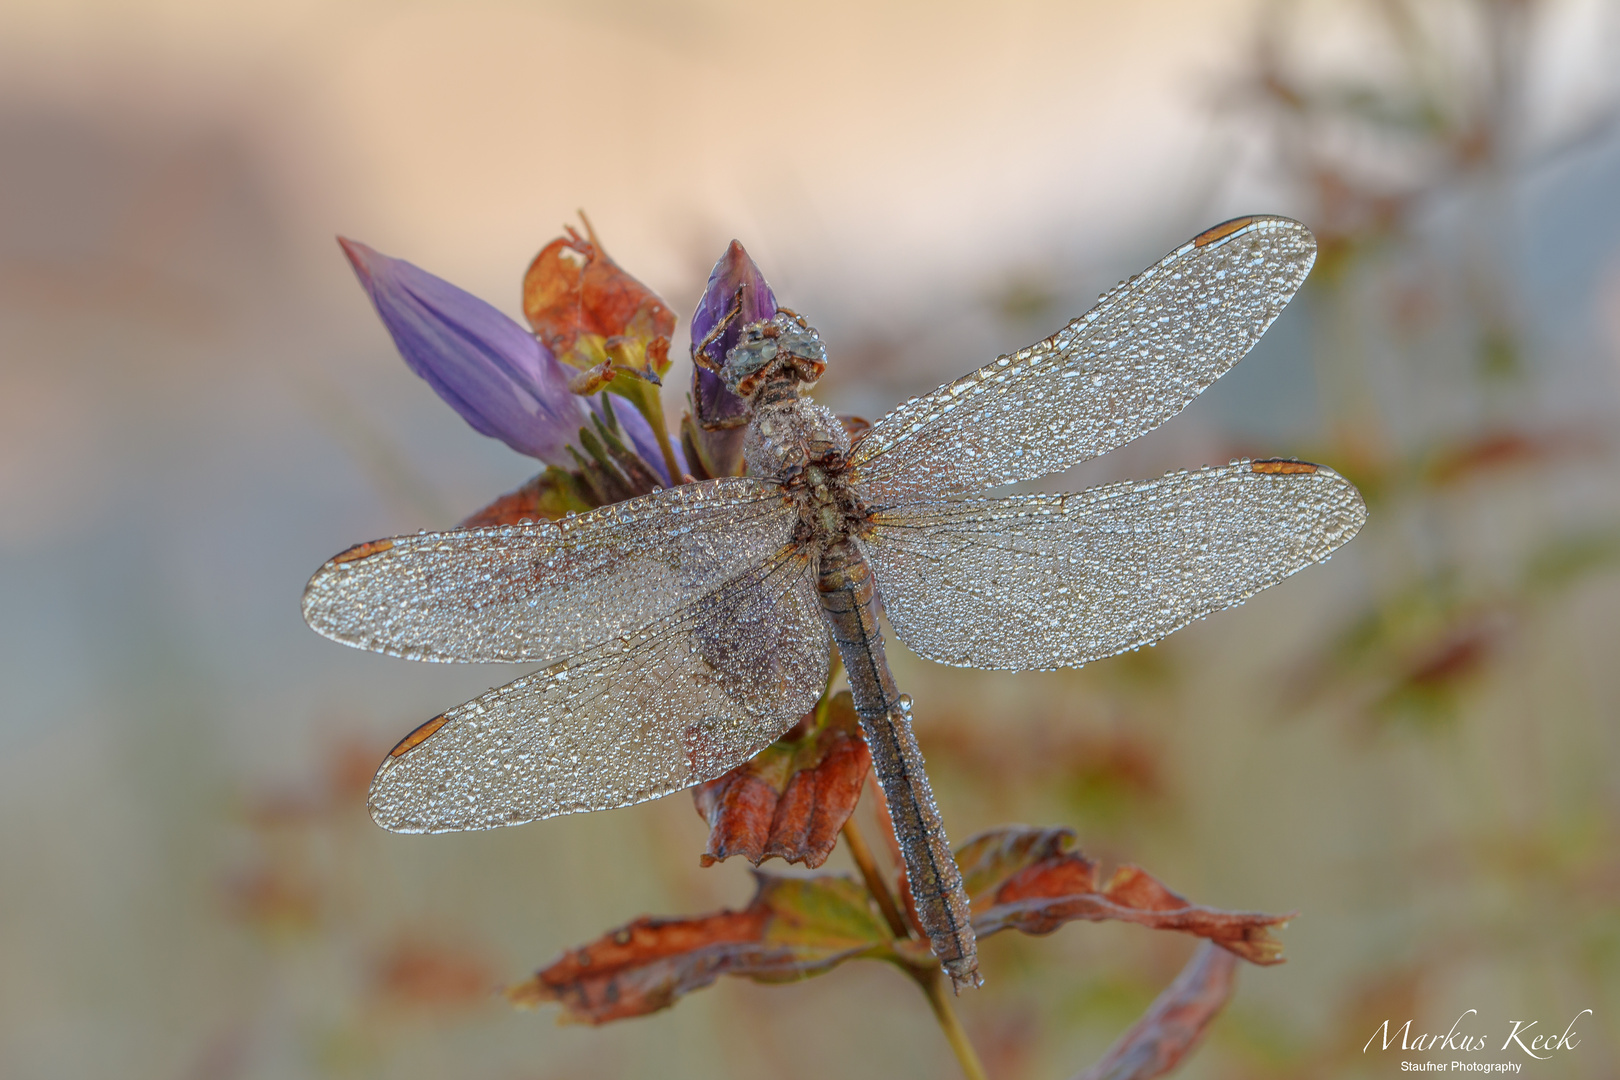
1415, 745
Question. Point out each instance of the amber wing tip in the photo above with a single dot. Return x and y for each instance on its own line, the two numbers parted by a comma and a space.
417, 738
362, 551
1283, 467
1225, 229
1221, 231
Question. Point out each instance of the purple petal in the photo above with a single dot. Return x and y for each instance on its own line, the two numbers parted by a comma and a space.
485, 366
638, 435
711, 401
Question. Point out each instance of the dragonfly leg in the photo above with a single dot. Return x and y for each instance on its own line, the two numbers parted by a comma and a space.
700, 351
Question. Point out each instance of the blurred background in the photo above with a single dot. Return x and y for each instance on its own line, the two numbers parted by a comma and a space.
1414, 746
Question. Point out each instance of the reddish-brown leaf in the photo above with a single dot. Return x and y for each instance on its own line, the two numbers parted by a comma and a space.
1459, 653
1029, 879
855, 427
419, 973
1174, 1023
552, 494
1503, 449
592, 314
275, 898
791, 799
793, 928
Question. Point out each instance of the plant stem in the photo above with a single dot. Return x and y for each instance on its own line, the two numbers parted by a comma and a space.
929, 977
655, 417
933, 986
874, 880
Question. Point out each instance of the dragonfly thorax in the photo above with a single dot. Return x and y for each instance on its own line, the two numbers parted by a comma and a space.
830, 509
786, 435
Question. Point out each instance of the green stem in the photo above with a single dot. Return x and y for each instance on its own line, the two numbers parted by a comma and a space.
929, 978
874, 880
933, 986
655, 417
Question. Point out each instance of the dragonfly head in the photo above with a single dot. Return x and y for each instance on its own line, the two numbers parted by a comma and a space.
783, 346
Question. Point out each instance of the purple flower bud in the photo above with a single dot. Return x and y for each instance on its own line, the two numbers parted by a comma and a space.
488, 368
734, 270
719, 414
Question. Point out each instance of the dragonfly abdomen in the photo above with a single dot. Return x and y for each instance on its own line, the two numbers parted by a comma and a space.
844, 586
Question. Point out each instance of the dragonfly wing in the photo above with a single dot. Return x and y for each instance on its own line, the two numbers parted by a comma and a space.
684, 700
543, 591
1036, 582
1149, 347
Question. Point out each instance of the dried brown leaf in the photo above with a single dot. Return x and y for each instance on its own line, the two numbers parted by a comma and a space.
592, 314
1491, 451
854, 426
275, 898
793, 928
1028, 879
1174, 1023
791, 799
430, 975
553, 494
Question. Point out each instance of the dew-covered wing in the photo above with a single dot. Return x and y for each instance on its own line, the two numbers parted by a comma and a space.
1036, 582
543, 591
688, 698
1149, 347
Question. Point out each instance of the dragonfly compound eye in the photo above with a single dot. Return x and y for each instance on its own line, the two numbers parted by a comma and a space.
778, 338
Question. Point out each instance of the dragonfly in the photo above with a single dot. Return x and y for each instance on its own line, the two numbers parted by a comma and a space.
681, 632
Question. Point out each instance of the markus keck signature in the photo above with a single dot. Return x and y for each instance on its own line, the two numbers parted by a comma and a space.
1519, 1039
